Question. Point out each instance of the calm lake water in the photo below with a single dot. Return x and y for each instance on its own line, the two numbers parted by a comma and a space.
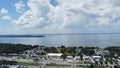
100, 40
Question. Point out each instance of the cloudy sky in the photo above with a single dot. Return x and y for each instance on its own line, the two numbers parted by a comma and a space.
59, 16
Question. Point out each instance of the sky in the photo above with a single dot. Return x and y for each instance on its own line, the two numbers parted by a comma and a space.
59, 16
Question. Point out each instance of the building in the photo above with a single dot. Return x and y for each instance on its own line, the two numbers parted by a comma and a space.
96, 58
54, 56
77, 58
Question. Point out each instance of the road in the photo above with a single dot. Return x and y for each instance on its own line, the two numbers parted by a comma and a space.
48, 67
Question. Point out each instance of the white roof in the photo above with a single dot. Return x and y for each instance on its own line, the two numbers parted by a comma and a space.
54, 54
77, 56
96, 56
14, 66
69, 56
86, 56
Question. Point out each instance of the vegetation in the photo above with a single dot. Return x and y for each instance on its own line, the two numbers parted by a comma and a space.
14, 48
51, 49
54, 64
114, 50
70, 50
89, 67
29, 64
88, 50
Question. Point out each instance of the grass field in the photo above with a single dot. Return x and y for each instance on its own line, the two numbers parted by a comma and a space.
51, 64
29, 64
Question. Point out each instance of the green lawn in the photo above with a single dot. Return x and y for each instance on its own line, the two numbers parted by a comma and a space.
51, 64
88, 67
38, 64
29, 64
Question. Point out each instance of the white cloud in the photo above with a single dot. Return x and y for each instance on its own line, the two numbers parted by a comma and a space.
7, 17
4, 11
71, 14
36, 16
20, 7
115, 2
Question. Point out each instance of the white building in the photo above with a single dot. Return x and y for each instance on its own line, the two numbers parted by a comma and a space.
96, 58
99, 57
69, 58
88, 59
77, 58
54, 56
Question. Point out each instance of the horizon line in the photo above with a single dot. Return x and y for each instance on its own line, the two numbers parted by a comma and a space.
59, 33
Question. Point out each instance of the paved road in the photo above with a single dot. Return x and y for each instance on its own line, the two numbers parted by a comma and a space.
48, 67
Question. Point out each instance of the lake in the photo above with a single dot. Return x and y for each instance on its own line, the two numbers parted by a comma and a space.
99, 40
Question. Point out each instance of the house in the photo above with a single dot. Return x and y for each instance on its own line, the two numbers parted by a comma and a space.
9, 57
69, 58
10, 66
88, 59
77, 58
96, 58
98, 51
54, 56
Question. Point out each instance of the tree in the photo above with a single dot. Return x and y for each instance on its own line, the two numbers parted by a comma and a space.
64, 56
91, 66
14, 48
88, 51
36, 60
51, 49
81, 57
63, 49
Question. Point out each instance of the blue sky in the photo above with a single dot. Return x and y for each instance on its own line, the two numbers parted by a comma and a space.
59, 16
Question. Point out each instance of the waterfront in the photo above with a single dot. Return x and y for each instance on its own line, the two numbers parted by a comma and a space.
99, 40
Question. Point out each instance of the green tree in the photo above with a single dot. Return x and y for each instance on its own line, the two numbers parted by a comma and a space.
64, 56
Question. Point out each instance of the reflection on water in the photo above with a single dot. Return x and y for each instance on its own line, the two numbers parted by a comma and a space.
100, 40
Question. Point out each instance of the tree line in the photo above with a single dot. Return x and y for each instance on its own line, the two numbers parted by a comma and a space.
14, 48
